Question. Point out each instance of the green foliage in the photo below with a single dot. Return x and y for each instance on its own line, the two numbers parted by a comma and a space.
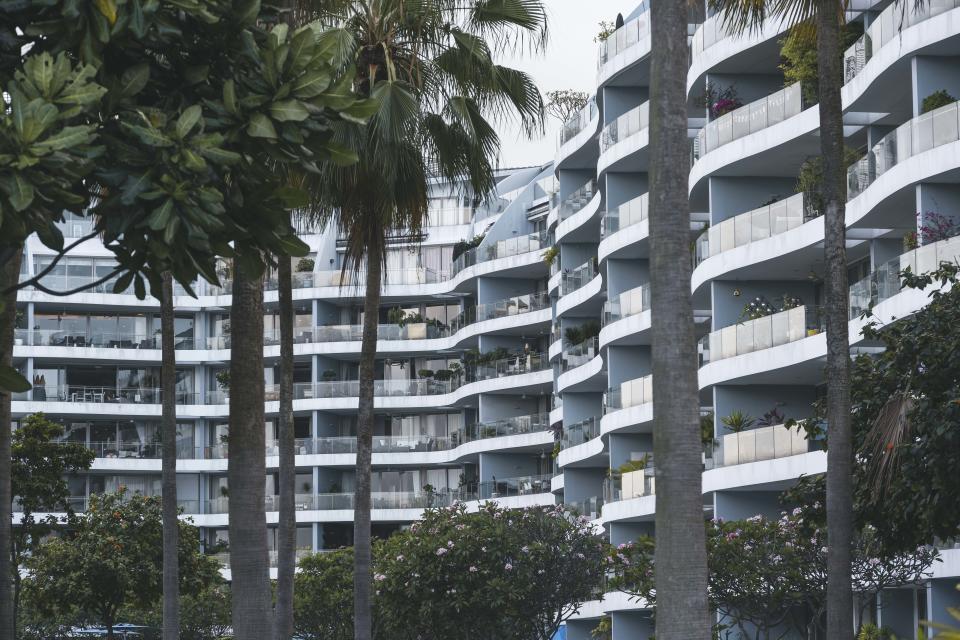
738, 421
550, 255
810, 180
223, 378
579, 335
111, 560
935, 100
798, 56
305, 265
607, 29
462, 246
906, 419
946, 632
707, 428
323, 596
204, 615
502, 573
634, 465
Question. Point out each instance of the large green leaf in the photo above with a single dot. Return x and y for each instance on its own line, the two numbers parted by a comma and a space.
67, 138
311, 84
134, 79
187, 120
11, 380
148, 135
289, 110
18, 189
261, 127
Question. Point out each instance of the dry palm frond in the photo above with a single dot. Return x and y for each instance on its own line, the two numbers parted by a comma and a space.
887, 434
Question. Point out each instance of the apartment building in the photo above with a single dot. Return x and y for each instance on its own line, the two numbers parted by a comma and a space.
526, 313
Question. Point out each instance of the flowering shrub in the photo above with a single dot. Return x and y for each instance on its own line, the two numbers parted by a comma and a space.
934, 227
497, 573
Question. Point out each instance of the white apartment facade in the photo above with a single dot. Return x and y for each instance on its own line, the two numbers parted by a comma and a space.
486, 354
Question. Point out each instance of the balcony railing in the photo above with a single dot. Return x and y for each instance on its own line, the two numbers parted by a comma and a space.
580, 121
631, 33
633, 121
932, 129
580, 432
891, 22
629, 303
509, 487
500, 249
627, 214
114, 340
630, 393
750, 118
345, 501
572, 280
764, 443
101, 394
512, 306
763, 333
577, 200
758, 224
516, 425
884, 282
633, 484
713, 30
587, 507
580, 354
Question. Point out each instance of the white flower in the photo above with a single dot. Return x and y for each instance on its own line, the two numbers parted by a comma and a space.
473, 569
508, 567
441, 551
379, 577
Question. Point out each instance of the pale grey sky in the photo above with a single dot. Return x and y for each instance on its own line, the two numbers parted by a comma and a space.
570, 62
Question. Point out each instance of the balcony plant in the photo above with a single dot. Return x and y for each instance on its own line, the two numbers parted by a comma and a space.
755, 309
425, 373
935, 227
550, 255
574, 335
720, 102
738, 421
305, 265
935, 100
461, 247
442, 375
772, 417
223, 379
396, 316
706, 429
329, 375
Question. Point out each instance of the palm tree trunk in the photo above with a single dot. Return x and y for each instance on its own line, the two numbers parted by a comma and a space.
168, 429
9, 275
362, 568
246, 466
287, 527
840, 448
680, 555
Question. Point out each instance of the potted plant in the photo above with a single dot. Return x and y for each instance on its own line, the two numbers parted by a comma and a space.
550, 255
772, 417
307, 487
935, 100
735, 450
738, 421
223, 378
329, 375
305, 265
396, 316
442, 375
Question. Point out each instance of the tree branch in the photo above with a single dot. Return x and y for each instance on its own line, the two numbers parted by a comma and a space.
85, 287
36, 278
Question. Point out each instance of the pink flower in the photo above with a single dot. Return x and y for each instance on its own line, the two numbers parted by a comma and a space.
508, 567
379, 577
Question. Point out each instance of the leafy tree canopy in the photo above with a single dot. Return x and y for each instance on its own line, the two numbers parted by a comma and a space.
323, 596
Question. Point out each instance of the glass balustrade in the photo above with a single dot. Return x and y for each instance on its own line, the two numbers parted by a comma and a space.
577, 200
758, 224
580, 121
762, 333
631, 33
888, 25
629, 303
510, 487
500, 249
587, 507
713, 30
762, 443
632, 484
625, 215
572, 280
580, 354
928, 131
580, 432
884, 282
118, 340
750, 118
633, 121
516, 425
101, 395
630, 393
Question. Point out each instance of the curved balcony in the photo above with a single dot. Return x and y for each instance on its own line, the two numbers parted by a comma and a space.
622, 141
578, 277
581, 367
714, 43
617, 241
579, 288
626, 318
576, 211
624, 47
500, 249
762, 443
923, 133
762, 333
751, 118
581, 445
575, 135
499, 488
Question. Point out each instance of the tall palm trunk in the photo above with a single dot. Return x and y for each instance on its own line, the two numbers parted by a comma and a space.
287, 527
840, 449
9, 275
168, 429
680, 555
246, 467
362, 568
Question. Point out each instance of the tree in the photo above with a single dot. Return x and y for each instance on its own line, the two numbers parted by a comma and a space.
566, 103
204, 615
906, 418
39, 466
430, 68
111, 559
767, 576
168, 464
822, 20
323, 597
680, 545
496, 573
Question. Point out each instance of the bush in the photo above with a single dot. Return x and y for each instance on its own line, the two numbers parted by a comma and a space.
305, 265
798, 55
936, 100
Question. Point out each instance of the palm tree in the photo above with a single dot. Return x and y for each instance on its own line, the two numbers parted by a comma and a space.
246, 464
429, 66
681, 554
826, 17
9, 275
168, 430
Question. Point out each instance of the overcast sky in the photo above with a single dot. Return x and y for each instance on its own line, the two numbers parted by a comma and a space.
570, 62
